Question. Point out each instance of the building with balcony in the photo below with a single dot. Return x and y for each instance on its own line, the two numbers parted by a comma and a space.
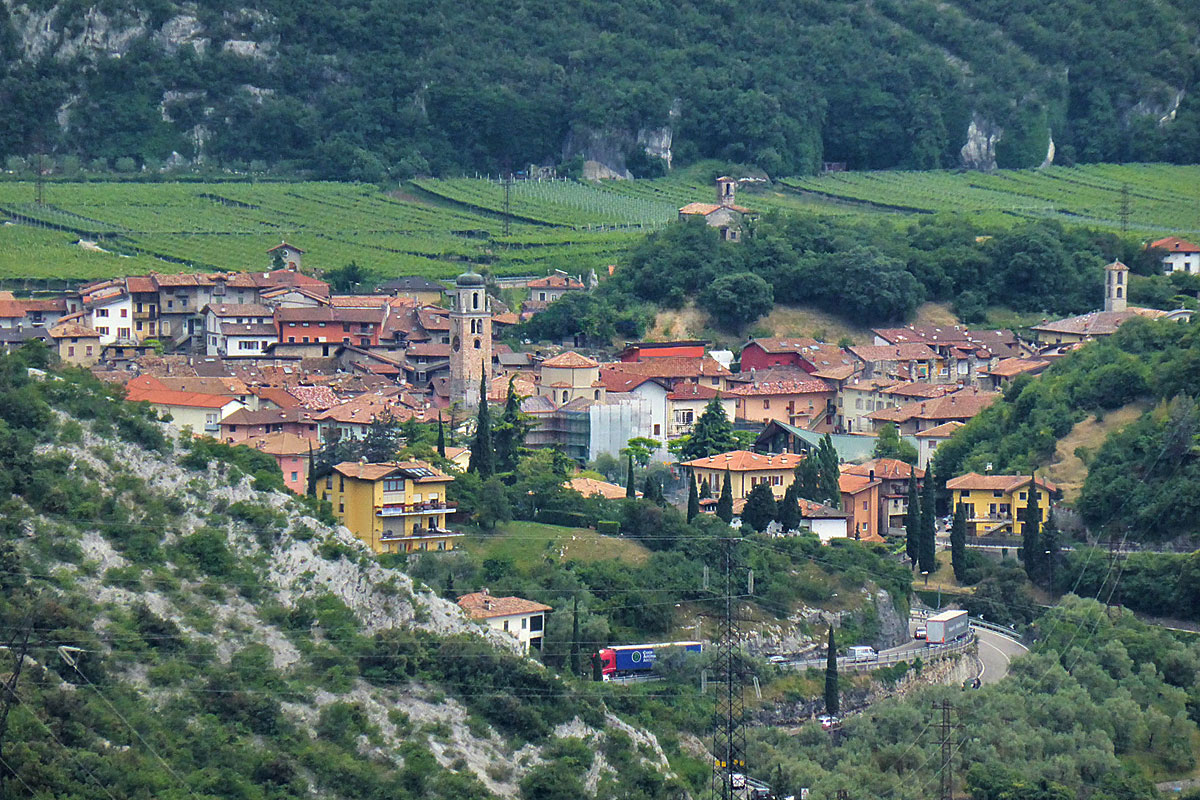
995, 503
393, 506
522, 619
746, 470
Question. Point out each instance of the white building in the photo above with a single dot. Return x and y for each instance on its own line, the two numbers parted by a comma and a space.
110, 315
522, 619
238, 329
929, 440
1182, 255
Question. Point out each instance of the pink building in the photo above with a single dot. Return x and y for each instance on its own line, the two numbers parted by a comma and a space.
290, 452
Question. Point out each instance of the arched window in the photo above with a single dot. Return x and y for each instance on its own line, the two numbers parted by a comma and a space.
475, 299
596, 394
565, 396
477, 344
1118, 291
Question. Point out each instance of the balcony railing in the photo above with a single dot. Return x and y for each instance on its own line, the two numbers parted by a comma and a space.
406, 509
419, 533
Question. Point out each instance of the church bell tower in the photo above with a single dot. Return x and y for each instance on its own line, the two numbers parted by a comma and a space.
470, 340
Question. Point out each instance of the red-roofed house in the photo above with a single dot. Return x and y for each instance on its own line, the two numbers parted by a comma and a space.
1181, 255
190, 412
860, 499
922, 415
746, 470
908, 362
725, 215
687, 401
809, 403
797, 351
996, 503
552, 287
523, 619
893, 475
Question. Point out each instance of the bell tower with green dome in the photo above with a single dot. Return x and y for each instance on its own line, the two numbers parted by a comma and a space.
470, 339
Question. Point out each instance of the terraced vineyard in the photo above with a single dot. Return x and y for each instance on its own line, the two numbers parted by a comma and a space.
435, 228
1160, 198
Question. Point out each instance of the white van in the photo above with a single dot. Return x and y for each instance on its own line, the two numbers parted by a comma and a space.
863, 653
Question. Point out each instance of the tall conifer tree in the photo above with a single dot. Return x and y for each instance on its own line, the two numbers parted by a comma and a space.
483, 456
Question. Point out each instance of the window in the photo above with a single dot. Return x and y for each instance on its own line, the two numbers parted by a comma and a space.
139, 325
864, 505
71, 351
89, 350
101, 312
393, 485
295, 476
524, 623
506, 625
766, 403
997, 493
123, 333
657, 429
341, 508
328, 480
478, 345
858, 403
535, 623
124, 312
541, 295
1022, 495
475, 300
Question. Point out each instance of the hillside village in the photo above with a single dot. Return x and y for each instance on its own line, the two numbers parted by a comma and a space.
276, 361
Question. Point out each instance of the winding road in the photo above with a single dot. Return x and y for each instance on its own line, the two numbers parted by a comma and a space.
995, 651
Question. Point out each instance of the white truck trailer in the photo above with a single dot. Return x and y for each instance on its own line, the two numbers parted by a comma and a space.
946, 627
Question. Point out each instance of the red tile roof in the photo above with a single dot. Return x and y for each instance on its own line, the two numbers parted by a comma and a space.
672, 367
555, 282
884, 468
794, 386
240, 310
166, 397
1004, 483
417, 471
570, 360
893, 352
480, 605
853, 484
1176, 245
282, 444
1011, 367
693, 391
943, 431
745, 461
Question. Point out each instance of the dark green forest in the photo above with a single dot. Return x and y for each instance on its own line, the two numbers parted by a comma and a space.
368, 90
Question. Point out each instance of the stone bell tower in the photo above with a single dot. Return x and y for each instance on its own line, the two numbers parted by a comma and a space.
470, 339
1116, 286
726, 190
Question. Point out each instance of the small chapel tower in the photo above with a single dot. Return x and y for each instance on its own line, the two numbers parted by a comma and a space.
1116, 286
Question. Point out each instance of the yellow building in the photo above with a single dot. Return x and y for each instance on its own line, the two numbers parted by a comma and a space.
746, 470
395, 507
995, 502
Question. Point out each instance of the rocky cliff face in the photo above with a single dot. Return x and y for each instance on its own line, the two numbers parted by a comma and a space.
979, 151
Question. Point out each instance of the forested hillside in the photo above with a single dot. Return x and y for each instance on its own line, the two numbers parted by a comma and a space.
367, 89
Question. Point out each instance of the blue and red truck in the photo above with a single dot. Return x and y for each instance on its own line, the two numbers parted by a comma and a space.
637, 659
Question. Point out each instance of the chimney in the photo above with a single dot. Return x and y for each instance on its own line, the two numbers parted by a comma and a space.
487, 605
871, 476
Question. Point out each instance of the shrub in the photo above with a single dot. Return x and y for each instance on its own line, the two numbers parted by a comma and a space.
568, 519
608, 527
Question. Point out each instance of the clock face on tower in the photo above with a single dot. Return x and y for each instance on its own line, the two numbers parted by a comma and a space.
456, 344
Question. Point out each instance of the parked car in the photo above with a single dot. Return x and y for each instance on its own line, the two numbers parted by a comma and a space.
828, 722
920, 633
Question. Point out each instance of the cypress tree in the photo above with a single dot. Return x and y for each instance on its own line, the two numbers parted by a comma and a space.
788, 512
483, 457
712, 434
958, 543
725, 501
312, 473
827, 462
760, 508
651, 490
1031, 544
927, 543
448, 590
693, 506
912, 521
510, 432
808, 478
576, 662
630, 491
1050, 545
441, 442
831, 678
705, 491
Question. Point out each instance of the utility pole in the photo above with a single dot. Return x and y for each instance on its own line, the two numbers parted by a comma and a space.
507, 201
8, 697
946, 772
1126, 207
729, 738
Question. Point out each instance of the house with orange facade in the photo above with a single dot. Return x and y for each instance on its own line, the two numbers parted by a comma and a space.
803, 402
860, 499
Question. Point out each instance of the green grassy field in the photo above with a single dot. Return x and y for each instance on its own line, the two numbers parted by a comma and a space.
1157, 199
437, 227
527, 544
